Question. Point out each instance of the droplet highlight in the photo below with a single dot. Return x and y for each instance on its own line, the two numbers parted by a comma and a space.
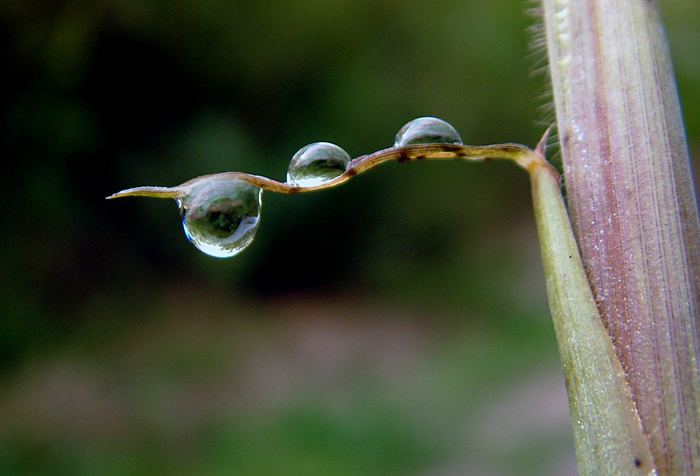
221, 216
316, 164
427, 130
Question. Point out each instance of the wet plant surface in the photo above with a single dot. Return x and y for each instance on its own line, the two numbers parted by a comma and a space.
126, 351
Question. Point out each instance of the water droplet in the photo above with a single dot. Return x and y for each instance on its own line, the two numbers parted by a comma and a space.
427, 130
221, 216
316, 164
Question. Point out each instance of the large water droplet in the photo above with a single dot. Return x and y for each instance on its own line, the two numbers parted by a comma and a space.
221, 216
316, 164
427, 130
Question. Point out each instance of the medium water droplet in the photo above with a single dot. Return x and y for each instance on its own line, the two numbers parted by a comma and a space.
221, 216
316, 164
427, 130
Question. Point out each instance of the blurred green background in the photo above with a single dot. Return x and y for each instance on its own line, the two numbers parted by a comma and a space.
397, 325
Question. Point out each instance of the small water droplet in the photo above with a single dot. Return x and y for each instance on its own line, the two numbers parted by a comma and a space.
316, 164
221, 216
427, 130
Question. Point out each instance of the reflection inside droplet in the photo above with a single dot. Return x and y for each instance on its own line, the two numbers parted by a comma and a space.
427, 130
221, 216
316, 164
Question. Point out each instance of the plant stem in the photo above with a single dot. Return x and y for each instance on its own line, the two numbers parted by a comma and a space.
607, 430
518, 153
633, 207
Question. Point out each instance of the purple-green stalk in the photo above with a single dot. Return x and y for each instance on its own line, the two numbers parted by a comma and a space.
633, 207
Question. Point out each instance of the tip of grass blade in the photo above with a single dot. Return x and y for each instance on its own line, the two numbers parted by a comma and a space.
156, 192
542, 145
540, 153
